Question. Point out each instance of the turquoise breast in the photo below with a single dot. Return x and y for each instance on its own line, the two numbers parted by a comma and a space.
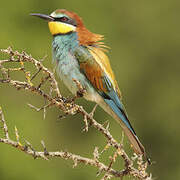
67, 65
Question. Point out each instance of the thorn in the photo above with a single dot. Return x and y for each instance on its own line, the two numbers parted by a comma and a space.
46, 153
86, 124
96, 153
75, 163
35, 74
5, 128
99, 172
31, 147
33, 107
106, 176
42, 108
28, 144
122, 138
28, 78
105, 123
108, 145
25, 148
17, 135
41, 60
44, 113
134, 157
93, 111
107, 127
34, 155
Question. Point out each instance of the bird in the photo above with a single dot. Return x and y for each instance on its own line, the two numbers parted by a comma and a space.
81, 55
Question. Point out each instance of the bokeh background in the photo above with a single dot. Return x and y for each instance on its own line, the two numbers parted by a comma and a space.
144, 37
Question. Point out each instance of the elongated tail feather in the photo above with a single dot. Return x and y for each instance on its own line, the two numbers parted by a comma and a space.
115, 108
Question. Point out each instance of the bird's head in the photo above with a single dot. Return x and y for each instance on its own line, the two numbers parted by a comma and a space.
63, 22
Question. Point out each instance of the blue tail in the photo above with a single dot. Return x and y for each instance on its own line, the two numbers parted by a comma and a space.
113, 101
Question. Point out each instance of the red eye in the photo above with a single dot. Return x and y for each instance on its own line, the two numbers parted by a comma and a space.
64, 19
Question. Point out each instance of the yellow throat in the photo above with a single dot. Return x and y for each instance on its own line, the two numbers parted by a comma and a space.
60, 28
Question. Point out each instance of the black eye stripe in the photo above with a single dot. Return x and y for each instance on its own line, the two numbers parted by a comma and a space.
66, 20
61, 19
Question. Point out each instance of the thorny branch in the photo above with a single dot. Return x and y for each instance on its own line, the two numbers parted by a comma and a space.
54, 98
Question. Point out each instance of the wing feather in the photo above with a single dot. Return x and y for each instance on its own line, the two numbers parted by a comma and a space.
103, 61
95, 64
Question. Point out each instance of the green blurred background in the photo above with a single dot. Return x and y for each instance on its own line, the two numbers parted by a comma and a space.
144, 37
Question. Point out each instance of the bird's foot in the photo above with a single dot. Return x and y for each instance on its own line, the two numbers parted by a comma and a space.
80, 93
81, 89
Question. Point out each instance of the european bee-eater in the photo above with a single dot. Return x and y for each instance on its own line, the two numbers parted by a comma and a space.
79, 54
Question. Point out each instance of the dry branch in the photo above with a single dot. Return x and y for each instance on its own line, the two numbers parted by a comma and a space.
54, 98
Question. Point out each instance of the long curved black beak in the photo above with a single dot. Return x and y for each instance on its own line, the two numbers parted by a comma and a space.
43, 16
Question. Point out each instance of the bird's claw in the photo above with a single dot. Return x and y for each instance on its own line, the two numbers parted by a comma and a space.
80, 93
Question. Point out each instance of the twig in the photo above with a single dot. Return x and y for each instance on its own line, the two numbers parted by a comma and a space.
86, 124
28, 149
4, 124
